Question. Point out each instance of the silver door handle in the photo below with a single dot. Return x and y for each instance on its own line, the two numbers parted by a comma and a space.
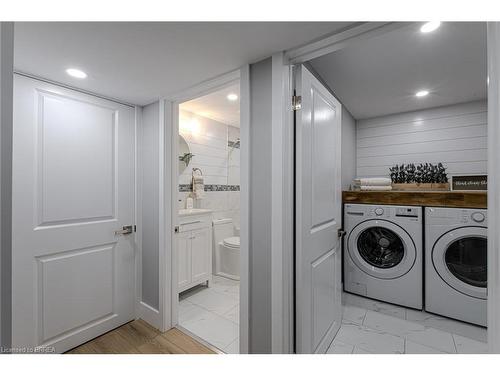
127, 229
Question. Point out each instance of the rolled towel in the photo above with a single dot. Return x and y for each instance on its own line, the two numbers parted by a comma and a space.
198, 187
375, 188
373, 181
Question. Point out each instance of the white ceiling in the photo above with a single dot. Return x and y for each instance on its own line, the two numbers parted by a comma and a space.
138, 62
380, 75
216, 106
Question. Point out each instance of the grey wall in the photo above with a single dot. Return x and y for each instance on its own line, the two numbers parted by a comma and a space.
149, 169
455, 135
348, 157
260, 207
6, 66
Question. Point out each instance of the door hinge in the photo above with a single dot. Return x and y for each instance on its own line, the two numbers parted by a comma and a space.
176, 229
341, 233
296, 102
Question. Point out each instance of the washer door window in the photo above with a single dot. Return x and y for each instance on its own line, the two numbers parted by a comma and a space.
460, 259
381, 249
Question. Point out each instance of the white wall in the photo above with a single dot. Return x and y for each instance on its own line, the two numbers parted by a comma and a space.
224, 204
208, 141
6, 67
348, 158
454, 135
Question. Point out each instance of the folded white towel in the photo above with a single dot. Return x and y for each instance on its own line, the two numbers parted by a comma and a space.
198, 187
375, 188
373, 181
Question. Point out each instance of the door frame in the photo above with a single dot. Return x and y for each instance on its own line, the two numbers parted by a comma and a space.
6, 130
168, 213
493, 36
282, 77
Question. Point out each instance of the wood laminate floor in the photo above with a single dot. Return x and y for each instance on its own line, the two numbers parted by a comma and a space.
138, 337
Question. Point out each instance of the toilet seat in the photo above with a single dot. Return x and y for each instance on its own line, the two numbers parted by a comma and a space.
232, 242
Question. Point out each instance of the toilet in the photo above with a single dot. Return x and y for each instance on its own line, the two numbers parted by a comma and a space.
226, 250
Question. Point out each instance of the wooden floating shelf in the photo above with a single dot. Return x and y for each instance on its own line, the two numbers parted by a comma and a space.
456, 199
421, 187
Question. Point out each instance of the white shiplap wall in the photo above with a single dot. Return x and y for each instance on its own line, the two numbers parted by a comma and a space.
208, 141
454, 135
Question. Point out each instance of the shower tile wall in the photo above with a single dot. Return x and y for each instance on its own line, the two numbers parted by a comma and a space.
209, 141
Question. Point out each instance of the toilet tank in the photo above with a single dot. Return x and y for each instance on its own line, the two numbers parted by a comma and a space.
223, 228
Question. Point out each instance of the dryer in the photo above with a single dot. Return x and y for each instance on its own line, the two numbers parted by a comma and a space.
456, 263
383, 253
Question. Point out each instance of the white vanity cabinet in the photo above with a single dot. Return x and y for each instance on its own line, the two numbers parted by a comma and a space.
194, 248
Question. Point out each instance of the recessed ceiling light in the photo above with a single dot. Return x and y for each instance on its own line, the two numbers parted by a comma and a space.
430, 26
232, 97
76, 73
420, 94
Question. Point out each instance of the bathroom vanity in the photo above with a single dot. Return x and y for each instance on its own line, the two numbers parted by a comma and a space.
194, 250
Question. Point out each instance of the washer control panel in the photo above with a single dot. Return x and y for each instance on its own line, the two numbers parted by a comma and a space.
377, 211
383, 212
478, 217
407, 211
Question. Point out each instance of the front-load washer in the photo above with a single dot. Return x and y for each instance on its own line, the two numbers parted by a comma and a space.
383, 253
456, 263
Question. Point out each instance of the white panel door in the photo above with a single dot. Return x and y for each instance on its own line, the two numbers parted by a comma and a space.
317, 215
73, 187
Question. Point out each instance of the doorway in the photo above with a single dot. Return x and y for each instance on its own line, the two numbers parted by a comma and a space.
208, 273
376, 123
208, 249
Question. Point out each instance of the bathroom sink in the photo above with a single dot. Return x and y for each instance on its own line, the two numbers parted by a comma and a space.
194, 211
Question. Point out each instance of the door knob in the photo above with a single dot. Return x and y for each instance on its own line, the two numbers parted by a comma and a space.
127, 229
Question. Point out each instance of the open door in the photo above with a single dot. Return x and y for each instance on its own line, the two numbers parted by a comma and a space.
317, 215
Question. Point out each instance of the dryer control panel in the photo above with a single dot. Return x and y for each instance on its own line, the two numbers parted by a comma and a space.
456, 216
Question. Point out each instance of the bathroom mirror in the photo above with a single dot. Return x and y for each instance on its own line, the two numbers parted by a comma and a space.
185, 154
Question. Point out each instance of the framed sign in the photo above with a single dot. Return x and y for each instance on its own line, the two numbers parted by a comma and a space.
468, 183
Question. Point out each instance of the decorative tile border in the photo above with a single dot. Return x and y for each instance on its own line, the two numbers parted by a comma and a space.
183, 188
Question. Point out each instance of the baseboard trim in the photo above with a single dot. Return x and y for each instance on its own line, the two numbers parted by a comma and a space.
149, 314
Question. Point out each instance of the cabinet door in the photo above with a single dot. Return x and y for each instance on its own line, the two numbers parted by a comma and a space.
184, 260
200, 255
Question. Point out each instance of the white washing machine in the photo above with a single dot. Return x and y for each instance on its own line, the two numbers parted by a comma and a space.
456, 263
383, 253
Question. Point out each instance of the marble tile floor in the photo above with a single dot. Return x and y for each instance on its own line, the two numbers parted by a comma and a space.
212, 313
374, 327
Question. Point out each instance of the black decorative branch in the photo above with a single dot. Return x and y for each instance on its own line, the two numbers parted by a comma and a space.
421, 173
